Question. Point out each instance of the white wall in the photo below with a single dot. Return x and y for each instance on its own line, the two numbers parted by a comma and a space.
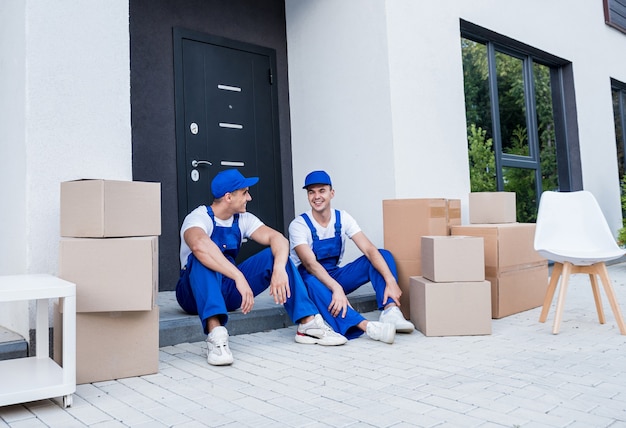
12, 153
70, 118
412, 127
340, 106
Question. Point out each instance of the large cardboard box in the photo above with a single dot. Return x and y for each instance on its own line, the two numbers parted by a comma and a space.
453, 258
492, 207
518, 290
111, 274
508, 246
454, 213
109, 208
405, 221
518, 274
112, 345
451, 308
406, 269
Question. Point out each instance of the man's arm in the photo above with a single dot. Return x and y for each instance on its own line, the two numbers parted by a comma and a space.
279, 283
207, 253
339, 303
376, 259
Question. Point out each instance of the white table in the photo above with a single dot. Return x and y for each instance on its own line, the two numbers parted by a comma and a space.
39, 377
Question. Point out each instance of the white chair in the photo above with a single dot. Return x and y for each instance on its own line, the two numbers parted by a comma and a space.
572, 231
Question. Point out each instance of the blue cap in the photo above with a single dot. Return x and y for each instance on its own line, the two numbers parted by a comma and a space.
317, 177
228, 181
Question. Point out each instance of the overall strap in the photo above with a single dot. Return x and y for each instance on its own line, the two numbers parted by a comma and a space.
337, 223
313, 231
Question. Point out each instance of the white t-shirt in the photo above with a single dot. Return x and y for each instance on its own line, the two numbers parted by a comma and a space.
248, 224
299, 232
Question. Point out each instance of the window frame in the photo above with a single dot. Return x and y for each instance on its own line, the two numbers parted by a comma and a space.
569, 169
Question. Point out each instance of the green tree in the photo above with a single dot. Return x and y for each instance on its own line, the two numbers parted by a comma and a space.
482, 161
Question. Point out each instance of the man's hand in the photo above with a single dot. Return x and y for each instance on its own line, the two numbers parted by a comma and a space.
392, 290
339, 303
279, 285
247, 296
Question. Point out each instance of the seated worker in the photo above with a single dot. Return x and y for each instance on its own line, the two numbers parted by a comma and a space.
211, 284
317, 241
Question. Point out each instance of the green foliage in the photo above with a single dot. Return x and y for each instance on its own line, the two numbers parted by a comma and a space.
621, 234
482, 161
513, 118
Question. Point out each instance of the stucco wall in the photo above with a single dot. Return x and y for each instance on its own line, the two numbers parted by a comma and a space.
406, 137
340, 106
69, 119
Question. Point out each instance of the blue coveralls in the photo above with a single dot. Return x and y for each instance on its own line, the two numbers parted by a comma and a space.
350, 277
208, 293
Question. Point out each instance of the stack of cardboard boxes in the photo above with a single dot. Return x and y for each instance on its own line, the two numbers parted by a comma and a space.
452, 297
518, 274
109, 249
405, 221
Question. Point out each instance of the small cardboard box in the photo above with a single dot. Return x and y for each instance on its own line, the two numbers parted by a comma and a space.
453, 258
508, 246
112, 345
518, 290
492, 207
451, 308
109, 208
111, 274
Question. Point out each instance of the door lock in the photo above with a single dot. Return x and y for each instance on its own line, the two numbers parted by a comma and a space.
195, 163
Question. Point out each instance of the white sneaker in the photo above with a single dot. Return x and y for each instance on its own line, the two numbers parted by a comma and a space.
394, 316
218, 352
385, 332
318, 332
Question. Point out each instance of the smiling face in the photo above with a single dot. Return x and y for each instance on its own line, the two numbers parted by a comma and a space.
239, 199
319, 196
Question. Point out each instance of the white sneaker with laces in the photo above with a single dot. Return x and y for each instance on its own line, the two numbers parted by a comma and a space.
218, 351
394, 316
318, 332
383, 331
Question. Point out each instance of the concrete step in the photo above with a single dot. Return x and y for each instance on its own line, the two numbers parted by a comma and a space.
12, 345
178, 327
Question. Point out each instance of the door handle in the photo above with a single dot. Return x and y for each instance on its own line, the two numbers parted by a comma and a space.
195, 163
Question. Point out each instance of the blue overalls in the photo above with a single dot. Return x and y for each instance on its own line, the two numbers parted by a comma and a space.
350, 277
208, 293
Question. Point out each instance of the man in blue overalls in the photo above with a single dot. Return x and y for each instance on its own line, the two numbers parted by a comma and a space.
317, 241
211, 284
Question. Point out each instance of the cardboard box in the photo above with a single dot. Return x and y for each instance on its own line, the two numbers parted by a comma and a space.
454, 213
108, 208
406, 269
518, 290
405, 221
492, 207
453, 258
451, 308
111, 274
112, 345
508, 246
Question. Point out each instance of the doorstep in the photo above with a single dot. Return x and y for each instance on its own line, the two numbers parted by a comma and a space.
175, 326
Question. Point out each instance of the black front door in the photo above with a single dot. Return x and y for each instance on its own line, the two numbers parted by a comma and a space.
226, 117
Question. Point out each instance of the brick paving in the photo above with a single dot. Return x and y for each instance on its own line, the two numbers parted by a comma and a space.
519, 376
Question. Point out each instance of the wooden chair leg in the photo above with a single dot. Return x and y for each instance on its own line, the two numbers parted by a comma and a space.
608, 289
597, 298
554, 280
567, 268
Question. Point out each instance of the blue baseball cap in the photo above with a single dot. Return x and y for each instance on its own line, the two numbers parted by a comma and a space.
317, 177
228, 181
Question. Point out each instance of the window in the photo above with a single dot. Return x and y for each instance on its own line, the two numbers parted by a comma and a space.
615, 14
521, 122
618, 91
